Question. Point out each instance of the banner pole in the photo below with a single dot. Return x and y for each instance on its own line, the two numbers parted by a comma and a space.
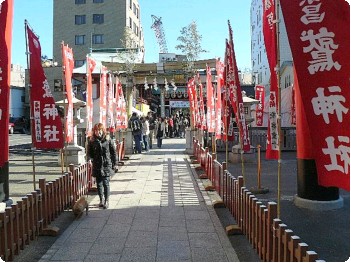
30, 104
279, 108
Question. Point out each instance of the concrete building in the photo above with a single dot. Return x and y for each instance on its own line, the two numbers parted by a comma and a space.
17, 94
260, 68
94, 24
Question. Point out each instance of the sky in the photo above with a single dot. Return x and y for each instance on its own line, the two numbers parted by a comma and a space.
211, 17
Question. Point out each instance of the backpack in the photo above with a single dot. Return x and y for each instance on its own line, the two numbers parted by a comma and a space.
135, 125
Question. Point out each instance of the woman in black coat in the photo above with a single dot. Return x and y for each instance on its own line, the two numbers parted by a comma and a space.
102, 153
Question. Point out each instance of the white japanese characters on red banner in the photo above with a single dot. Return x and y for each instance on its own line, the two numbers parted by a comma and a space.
259, 95
236, 98
319, 37
270, 40
47, 124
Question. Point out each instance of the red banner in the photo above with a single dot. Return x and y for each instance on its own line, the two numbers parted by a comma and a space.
46, 125
192, 99
319, 37
270, 40
103, 93
68, 65
211, 114
259, 95
201, 105
89, 95
228, 125
6, 19
220, 83
236, 98
121, 111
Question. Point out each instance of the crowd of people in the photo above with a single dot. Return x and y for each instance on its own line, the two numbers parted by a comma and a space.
102, 151
146, 129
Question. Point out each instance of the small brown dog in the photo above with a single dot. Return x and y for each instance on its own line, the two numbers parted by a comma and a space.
79, 207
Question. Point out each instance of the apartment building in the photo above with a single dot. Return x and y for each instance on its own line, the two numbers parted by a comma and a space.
260, 67
94, 24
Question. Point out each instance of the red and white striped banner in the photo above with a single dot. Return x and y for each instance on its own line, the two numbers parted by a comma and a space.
270, 40
46, 125
68, 65
319, 37
6, 19
259, 95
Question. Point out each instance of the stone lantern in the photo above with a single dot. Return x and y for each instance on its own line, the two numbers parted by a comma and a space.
73, 153
234, 155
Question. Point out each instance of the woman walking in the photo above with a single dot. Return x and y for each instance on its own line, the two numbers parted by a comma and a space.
102, 153
160, 131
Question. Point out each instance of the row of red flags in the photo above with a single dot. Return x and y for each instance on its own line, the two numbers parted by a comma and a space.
321, 58
47, 124
321, 91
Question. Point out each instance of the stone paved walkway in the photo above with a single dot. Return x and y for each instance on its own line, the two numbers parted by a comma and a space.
158, 212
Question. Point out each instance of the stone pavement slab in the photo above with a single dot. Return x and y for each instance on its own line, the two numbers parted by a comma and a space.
158, 212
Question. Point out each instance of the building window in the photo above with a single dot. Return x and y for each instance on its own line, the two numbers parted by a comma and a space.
130, 4
134, 9
137, 13
98, 18
98, 39
78, 2
80, 19
80, 39
130, 23
98, 1
134, 28
58, 85
78, 63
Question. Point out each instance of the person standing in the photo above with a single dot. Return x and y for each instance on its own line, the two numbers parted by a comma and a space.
102, 154
152, 126
135, 124
160, 131
145, 132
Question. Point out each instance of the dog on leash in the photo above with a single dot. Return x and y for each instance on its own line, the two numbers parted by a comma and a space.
79, 207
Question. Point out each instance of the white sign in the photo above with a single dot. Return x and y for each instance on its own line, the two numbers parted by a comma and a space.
179, 104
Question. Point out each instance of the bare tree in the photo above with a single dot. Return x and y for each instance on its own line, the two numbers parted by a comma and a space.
129, 53
129, 57
190, 44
